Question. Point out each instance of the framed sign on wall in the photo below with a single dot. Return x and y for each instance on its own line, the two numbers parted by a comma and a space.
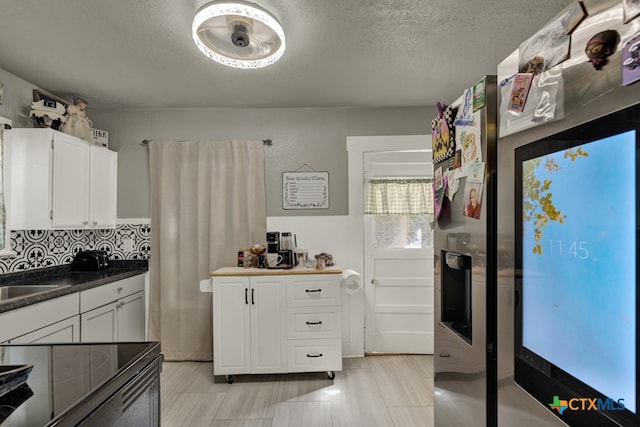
305, 190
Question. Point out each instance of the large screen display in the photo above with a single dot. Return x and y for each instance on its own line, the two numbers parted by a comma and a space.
576, 283
579, 262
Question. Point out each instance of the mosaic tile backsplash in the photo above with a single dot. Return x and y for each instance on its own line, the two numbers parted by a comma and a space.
48, 248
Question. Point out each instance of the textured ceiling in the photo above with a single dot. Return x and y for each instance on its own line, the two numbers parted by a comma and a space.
122, 54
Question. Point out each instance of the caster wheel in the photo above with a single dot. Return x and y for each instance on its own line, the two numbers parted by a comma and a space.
331, 375
229, 378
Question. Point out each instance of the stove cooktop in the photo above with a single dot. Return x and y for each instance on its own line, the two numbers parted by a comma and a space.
62, 376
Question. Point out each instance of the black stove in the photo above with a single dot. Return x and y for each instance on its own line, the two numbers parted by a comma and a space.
69, 381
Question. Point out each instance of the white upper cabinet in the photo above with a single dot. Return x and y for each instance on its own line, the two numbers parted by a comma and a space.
59, 181
103, 186
69, 184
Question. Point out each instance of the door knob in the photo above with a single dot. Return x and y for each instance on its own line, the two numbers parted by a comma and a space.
374, 282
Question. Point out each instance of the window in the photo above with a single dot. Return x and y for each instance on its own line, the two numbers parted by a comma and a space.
402, 210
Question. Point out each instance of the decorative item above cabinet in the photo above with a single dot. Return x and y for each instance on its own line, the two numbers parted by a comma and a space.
58, 181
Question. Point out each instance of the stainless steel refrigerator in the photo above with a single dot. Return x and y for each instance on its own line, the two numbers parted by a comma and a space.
507, 370
465, 274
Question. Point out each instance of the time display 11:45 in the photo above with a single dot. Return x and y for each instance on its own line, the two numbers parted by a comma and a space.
572, 248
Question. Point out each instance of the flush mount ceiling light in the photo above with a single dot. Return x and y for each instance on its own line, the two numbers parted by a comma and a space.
238, 34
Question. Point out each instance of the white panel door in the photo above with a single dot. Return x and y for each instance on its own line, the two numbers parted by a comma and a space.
398, 273
268, 324
231, 325
131, 318
70, 192
100, 324
102, 195
65, 331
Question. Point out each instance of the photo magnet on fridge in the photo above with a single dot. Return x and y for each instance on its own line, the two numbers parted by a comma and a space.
479, 95
573, 17
465, 111
631, 59
443, 142
473, 200
520, 91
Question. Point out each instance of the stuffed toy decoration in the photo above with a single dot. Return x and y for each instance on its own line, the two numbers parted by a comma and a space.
601, 46
77, 123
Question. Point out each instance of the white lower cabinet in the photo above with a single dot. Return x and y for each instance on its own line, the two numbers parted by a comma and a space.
66, 331
47, 321
99, 325
266, 323
315, 355
131, 325
315, 325
121, 320
113, 312
107, 313
248, 320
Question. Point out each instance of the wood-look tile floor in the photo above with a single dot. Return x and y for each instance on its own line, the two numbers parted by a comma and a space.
389, 390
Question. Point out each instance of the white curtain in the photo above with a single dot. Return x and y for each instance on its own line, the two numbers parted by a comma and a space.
207, 202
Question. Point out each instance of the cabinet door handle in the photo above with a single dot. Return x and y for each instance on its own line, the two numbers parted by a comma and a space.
312, 290
95, 222
315, 323
120, 289
252, 301
246, 296
314, 355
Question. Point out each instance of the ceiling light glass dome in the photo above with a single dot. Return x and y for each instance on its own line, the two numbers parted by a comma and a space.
238, 34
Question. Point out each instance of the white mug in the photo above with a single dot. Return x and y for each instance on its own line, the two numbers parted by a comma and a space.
273, 259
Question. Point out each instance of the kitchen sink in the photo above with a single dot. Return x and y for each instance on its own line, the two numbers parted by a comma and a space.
21, 291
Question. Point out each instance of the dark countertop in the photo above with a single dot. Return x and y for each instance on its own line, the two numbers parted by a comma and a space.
63, 275
69, 381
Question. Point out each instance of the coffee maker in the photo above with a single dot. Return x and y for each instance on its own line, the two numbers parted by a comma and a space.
288, 248
273, 242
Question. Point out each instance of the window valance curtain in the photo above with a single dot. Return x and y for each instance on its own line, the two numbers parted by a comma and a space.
399, 197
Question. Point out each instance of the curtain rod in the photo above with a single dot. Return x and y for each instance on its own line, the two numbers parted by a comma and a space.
264, 141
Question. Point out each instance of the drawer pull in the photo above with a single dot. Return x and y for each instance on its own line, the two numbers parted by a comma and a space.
314, 355
120, 289
445, 355
313, 290
315, 323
